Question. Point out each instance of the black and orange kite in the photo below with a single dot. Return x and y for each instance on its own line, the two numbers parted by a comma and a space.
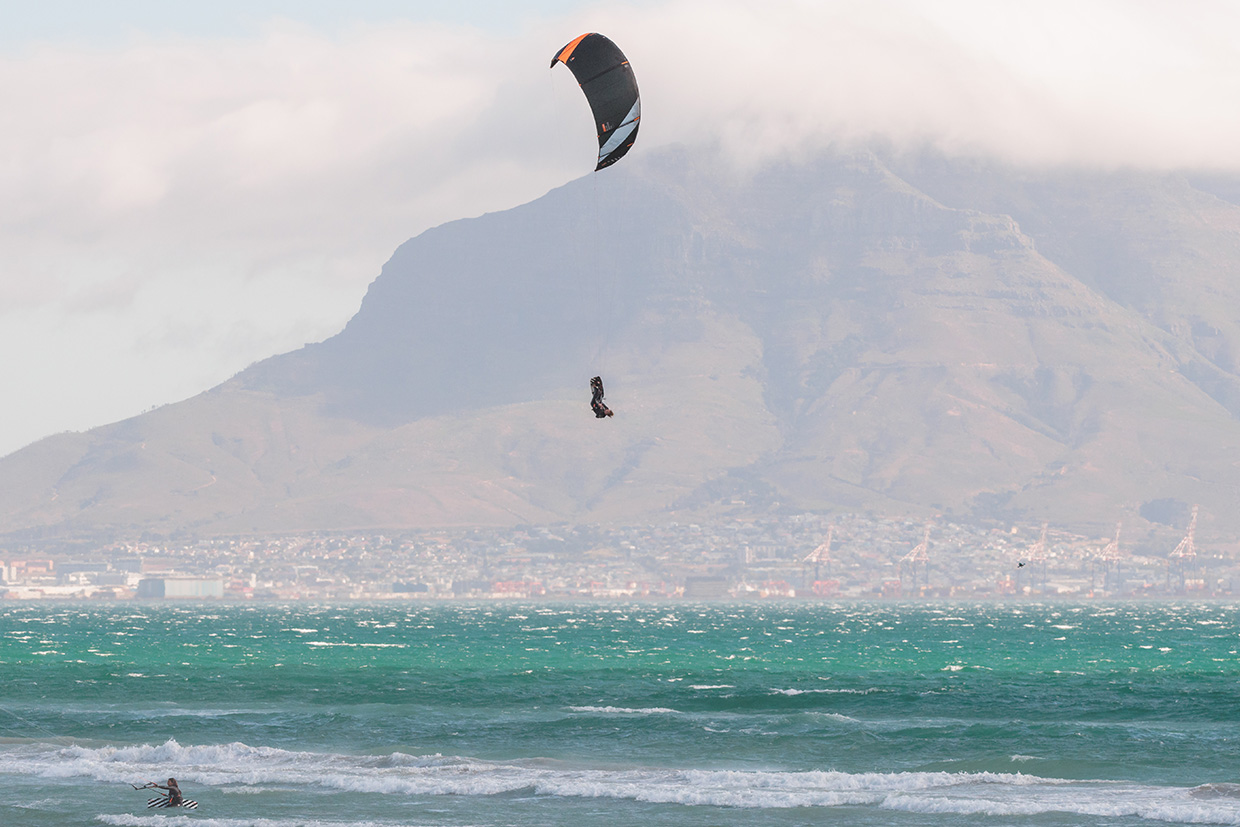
607, 80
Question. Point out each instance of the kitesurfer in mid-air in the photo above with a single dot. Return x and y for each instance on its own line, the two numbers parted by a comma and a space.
601, 411
174, 792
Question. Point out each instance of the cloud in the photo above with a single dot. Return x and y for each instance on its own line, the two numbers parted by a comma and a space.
177, 208
1112, 83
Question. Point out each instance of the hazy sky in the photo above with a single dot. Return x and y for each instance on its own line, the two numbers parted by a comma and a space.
191, 187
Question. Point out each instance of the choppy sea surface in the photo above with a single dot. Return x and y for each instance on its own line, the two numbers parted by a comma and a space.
512, 714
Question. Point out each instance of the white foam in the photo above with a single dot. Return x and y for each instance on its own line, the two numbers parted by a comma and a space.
237, 766
795, 692
1116, 800
127, 820
624, 710
327, 643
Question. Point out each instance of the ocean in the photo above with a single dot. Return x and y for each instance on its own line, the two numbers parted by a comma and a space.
775, 713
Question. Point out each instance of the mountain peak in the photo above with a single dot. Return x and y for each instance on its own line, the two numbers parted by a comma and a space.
852, 330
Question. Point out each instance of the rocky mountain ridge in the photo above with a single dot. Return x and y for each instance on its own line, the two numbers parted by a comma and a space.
866, 331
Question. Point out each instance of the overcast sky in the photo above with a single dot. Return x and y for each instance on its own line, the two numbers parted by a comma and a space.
191, 187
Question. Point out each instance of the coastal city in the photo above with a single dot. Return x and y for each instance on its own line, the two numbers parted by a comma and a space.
796, 556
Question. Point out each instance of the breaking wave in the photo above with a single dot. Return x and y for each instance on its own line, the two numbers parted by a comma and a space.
124, 820
624, 710
964, 793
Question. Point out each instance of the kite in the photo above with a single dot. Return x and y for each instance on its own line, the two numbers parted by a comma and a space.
604, 74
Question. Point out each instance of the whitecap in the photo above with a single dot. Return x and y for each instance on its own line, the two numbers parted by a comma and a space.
127, 820
1095, 799
622, 710
962, 793
324, 643
794, 692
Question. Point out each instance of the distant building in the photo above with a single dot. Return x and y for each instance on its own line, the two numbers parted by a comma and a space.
518, 588
183, 588
826, 588
18, 571
705, 587
72, 566
777, 588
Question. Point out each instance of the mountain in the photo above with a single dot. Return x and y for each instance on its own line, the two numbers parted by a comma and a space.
907, 334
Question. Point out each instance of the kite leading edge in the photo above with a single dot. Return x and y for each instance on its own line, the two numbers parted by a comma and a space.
609, 85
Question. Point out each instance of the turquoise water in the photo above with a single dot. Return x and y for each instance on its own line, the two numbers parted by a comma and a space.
511, 714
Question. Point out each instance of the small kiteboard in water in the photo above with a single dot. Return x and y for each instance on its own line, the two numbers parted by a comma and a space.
187, 803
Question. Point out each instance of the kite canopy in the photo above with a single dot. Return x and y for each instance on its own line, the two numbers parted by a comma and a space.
609, 85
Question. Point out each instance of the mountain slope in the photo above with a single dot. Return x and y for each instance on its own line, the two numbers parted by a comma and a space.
903, 334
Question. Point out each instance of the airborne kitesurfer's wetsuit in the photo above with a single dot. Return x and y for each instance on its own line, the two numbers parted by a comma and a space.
597, 405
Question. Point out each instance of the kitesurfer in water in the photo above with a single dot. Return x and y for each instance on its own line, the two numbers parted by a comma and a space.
174, 792
601, 411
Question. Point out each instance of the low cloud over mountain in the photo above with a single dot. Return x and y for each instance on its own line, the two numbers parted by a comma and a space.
862, 330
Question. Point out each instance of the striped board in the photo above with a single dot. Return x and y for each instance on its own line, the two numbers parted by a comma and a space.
187, 803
